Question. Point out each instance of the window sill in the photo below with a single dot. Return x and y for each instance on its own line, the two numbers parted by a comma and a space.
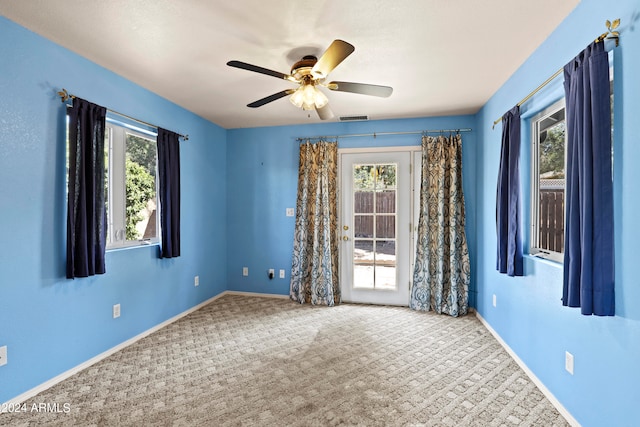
134, 246
547, 261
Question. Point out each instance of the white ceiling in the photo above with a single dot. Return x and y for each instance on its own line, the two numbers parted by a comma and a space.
442, 57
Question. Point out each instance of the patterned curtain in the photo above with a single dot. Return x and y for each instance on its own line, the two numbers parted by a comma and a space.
314, 270
441, 273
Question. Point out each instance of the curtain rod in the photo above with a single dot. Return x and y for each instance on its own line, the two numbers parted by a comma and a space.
376, 134
65, 96
609, 35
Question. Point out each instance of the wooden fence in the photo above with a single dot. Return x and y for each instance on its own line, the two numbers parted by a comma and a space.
385, 204
552, 220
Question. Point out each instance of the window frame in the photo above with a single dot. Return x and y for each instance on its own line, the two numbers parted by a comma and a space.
115, 149
534, 238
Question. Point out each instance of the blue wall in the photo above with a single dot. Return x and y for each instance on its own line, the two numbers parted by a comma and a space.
529, 315
236, 187
51, 324
262, 182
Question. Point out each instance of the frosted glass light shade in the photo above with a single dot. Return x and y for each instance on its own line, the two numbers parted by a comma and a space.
308, 97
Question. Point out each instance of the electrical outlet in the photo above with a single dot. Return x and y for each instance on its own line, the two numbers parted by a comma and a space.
568, 362
282, 274
494, 300
196, 281
3, 355
290, 212
116, 311
245, 271
272, 273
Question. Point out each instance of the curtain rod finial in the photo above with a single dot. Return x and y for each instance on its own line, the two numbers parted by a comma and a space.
64, 95
611, 33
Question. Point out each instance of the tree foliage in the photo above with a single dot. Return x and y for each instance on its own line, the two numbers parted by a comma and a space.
368, 177
143, 152
140, 188
552, 151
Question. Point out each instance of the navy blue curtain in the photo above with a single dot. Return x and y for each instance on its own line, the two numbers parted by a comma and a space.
589, 251
509, 258
86, 211
169, 173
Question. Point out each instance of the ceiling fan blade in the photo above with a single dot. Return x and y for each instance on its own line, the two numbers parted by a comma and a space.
334, 55
325, 112
261, 70
270, 98
362, 88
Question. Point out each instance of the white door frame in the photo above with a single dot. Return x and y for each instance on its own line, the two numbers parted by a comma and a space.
406, 253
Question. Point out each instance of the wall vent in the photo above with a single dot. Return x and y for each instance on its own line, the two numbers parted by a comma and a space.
353, 118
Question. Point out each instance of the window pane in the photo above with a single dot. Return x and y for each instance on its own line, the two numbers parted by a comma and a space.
140, 188
551, 227
552, 182
107, 186
552, 137
548, 161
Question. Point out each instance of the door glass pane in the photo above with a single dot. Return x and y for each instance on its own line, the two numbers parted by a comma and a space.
385, 265
363, 201
386, 177
363, 262
374, 194
363, 177
386, 201
363, 226
385, 226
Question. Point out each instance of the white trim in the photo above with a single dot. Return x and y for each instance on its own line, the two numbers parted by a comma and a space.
63, 376
555, 402
255, 294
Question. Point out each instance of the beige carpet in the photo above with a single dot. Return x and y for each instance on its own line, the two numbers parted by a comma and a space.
260, 361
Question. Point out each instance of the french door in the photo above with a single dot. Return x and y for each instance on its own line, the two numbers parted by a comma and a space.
376, 191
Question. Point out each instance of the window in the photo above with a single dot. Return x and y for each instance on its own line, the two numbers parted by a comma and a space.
132, 208
548, 160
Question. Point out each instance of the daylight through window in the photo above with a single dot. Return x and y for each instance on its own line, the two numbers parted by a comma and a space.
132, 207
548, 182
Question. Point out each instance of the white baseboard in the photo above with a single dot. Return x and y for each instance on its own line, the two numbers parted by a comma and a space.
63, 376
555, 402
255, 294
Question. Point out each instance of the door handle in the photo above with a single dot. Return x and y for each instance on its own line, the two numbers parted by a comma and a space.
345, 238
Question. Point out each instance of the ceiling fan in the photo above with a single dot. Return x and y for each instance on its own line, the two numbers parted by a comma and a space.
311, 72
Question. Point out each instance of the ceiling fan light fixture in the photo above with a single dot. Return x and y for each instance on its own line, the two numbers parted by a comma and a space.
308, 97
297, 98
321, 99
309, 74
